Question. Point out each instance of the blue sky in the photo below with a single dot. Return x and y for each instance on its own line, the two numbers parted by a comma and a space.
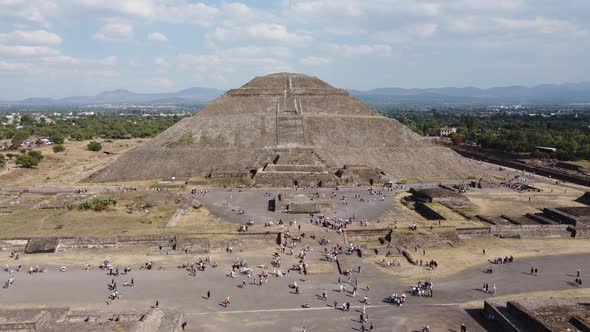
57, 48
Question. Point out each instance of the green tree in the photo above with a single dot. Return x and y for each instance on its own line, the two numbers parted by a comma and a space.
29, 160
2, 161
94, 146
18, 139
56, 138
58, 148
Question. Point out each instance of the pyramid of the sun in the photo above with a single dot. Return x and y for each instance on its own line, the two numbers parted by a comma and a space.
288, 129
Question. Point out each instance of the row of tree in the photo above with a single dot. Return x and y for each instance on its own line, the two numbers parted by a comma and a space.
569, 133
86, 128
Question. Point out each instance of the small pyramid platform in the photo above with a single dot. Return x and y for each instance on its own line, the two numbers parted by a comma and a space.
289, 129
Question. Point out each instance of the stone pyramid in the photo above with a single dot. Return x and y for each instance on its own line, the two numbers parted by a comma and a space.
288, 129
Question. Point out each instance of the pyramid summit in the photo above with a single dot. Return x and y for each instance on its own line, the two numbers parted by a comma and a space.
288, 129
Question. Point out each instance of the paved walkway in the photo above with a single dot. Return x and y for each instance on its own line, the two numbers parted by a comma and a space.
258, 308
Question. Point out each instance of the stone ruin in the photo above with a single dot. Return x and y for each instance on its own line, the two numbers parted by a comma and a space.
288, 130
446, 196
302, 203
66, 320
538, 315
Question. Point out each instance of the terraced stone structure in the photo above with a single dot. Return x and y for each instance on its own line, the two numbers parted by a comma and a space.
288, 130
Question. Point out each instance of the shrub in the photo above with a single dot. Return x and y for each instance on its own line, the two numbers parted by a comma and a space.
58, 148
94, 146
31, 159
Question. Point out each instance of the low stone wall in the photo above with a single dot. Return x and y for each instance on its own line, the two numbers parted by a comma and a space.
474, 233
200, 243
365, 235
13, 244
531, 231
580, 232
516, 231
25, 326
427, 212
580, 323
582, 180
490, 309
409, 257
42, 245
527, 319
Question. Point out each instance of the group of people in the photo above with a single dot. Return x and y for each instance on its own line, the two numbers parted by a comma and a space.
422, 289
502, 260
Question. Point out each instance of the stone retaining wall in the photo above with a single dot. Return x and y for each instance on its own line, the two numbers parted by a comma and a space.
198, 243
427, 212
490, 309
532, 231
528, 320
364, 235
13, 244
516, 231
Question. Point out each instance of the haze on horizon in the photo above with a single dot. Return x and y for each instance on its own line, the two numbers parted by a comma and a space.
58, 48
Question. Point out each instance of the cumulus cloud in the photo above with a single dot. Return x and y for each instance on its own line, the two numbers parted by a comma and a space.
408, 33
69, 60
35, 37
159, 61
27, 51
14, 66
264, 31
158, 37
361, 50
115, 32
315, 61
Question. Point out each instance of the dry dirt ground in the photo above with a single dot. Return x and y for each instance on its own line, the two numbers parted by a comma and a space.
68, 167
500, 201
469, 254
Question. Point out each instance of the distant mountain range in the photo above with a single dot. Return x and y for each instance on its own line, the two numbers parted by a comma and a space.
569, 93
122, 96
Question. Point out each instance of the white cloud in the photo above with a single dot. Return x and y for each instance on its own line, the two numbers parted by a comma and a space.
161, 62
158, 37
115, 32
408, 33
258, 51
68, 60
261, 31
361, 50
35, 37
315, 61
361, 8
14, 66
539, 25
27, 51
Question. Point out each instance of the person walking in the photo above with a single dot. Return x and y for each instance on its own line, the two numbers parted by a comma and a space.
208, 294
